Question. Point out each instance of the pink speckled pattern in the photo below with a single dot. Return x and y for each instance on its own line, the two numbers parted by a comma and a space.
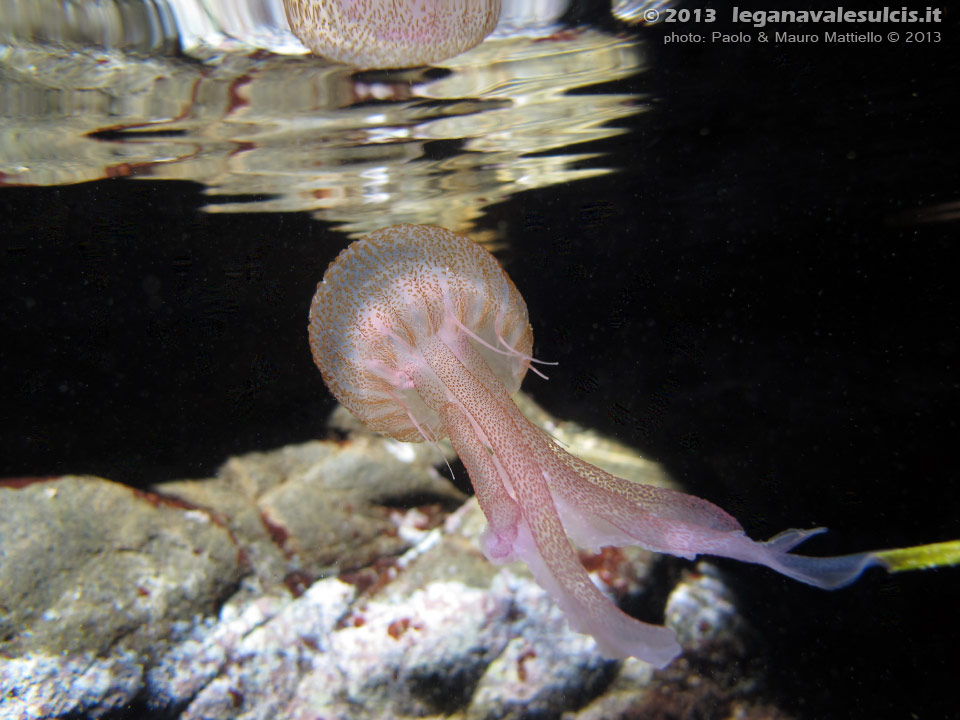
370, 34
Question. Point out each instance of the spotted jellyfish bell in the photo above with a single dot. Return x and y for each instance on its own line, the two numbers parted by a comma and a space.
371, 34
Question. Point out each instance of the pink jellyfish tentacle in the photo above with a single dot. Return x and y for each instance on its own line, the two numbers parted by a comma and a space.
498, 323
507, 349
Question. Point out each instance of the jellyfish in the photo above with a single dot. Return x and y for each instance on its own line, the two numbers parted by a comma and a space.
421, 334
372, 34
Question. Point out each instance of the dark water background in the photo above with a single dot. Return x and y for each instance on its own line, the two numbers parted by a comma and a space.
751, 300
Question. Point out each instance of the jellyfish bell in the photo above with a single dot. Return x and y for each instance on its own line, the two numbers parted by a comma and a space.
374, 34
383, 298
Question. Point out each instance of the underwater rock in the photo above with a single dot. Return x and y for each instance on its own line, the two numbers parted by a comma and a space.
306, 511
701, 609
94, 578
88, 564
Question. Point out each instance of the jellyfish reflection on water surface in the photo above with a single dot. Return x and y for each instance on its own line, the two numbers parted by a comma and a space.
421, 334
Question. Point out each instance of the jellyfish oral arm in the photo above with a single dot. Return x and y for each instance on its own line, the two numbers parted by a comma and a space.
500, 509
612, 511
527, 526
534, 496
